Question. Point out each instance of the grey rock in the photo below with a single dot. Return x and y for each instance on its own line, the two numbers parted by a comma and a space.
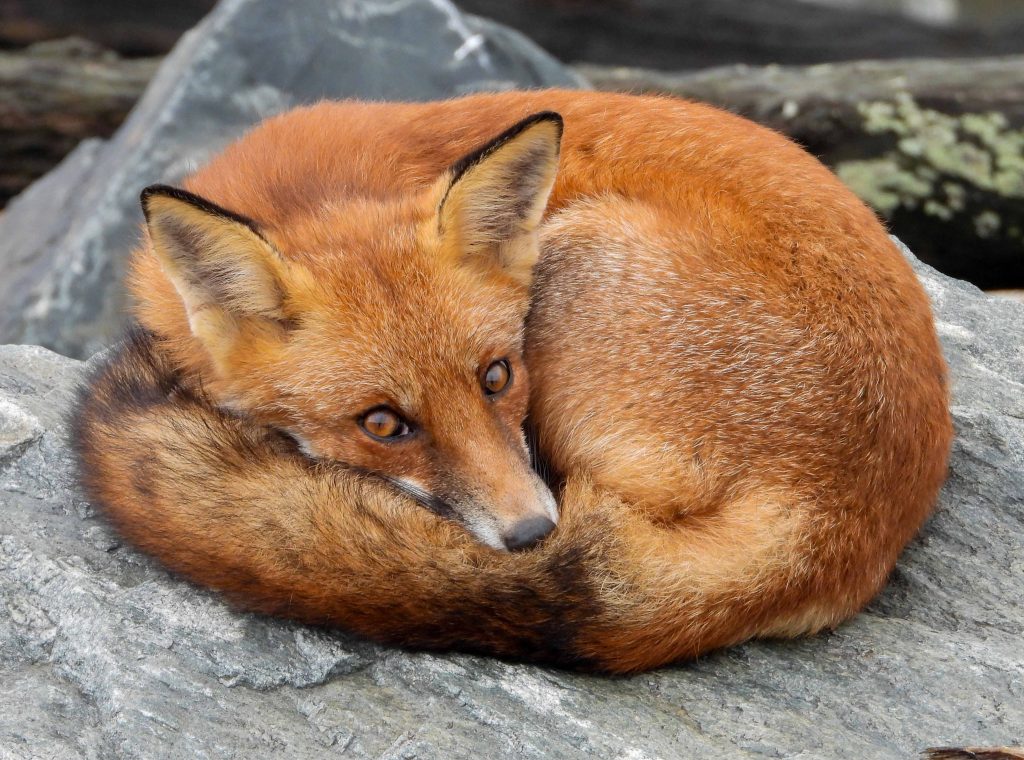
63, 242
104, 654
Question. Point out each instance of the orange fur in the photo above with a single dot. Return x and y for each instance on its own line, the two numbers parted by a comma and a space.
731, 372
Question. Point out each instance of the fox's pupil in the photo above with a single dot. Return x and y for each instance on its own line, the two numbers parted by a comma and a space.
383, 423
497, 377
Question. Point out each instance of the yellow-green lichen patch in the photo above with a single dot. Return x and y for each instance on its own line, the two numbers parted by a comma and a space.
883, 184
987, 224
940, 164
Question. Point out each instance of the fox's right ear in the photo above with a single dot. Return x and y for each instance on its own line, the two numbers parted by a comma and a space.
224, 270
492, 207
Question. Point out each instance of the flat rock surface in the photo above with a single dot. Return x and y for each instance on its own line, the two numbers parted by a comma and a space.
64, 241
103, 654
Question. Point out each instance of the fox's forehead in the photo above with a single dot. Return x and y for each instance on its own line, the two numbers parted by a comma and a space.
417, 360
393, 324
375, 273
352, 231
437, 311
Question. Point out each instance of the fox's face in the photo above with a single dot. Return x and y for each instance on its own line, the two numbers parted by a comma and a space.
385, 335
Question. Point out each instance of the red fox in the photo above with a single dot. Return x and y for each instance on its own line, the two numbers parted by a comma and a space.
729, 375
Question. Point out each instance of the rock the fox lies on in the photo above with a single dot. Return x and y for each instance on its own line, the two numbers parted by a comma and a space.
730, 373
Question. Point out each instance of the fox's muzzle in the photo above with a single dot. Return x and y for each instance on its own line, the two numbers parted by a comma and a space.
523, 529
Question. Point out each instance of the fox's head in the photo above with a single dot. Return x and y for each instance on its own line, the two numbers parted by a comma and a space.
383, 334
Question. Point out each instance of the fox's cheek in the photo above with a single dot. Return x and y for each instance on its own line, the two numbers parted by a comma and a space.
515, 424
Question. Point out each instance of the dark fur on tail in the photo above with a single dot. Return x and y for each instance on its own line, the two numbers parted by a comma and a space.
236, 507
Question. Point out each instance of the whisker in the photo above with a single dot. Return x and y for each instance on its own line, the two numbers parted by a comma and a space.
538, 463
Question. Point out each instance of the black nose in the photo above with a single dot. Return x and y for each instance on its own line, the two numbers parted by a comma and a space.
527, 533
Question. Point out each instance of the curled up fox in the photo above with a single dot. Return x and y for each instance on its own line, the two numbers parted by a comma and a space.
361, 322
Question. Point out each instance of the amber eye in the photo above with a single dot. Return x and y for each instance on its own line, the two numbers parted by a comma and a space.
384, 424
497, 377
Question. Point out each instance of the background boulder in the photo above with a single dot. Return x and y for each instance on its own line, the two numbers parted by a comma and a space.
64, 241
104, 654
666, 34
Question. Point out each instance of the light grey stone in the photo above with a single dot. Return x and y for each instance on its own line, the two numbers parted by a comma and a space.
63, 243
103, 654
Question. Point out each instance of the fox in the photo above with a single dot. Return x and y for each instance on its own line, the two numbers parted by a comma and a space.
601, 381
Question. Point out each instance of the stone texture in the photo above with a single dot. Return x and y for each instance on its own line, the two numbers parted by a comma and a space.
105, 655
64, 241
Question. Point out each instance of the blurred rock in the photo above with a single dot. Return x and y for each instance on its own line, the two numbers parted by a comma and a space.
661, 33
127, 26
104, 654
936, 147
64, 241
695, 34
55, 94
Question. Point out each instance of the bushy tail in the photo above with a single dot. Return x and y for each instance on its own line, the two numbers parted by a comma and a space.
235, 507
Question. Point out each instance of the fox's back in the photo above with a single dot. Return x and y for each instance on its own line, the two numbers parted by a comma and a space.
713, 314
741, 196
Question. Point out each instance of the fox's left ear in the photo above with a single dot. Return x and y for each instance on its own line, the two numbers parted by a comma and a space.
227, 274
493, 204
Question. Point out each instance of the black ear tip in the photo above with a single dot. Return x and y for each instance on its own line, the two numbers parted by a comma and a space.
541, 117
550, 116
196, 201
159, 190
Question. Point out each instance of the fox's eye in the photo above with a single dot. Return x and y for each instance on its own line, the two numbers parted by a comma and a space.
497, 377
384, 424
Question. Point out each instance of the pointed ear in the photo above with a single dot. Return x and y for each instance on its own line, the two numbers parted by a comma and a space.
493, 204
225, 271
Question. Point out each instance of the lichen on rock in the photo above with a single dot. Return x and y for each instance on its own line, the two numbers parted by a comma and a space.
940, 163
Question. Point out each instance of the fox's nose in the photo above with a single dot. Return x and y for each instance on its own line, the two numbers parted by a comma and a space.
527, 533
